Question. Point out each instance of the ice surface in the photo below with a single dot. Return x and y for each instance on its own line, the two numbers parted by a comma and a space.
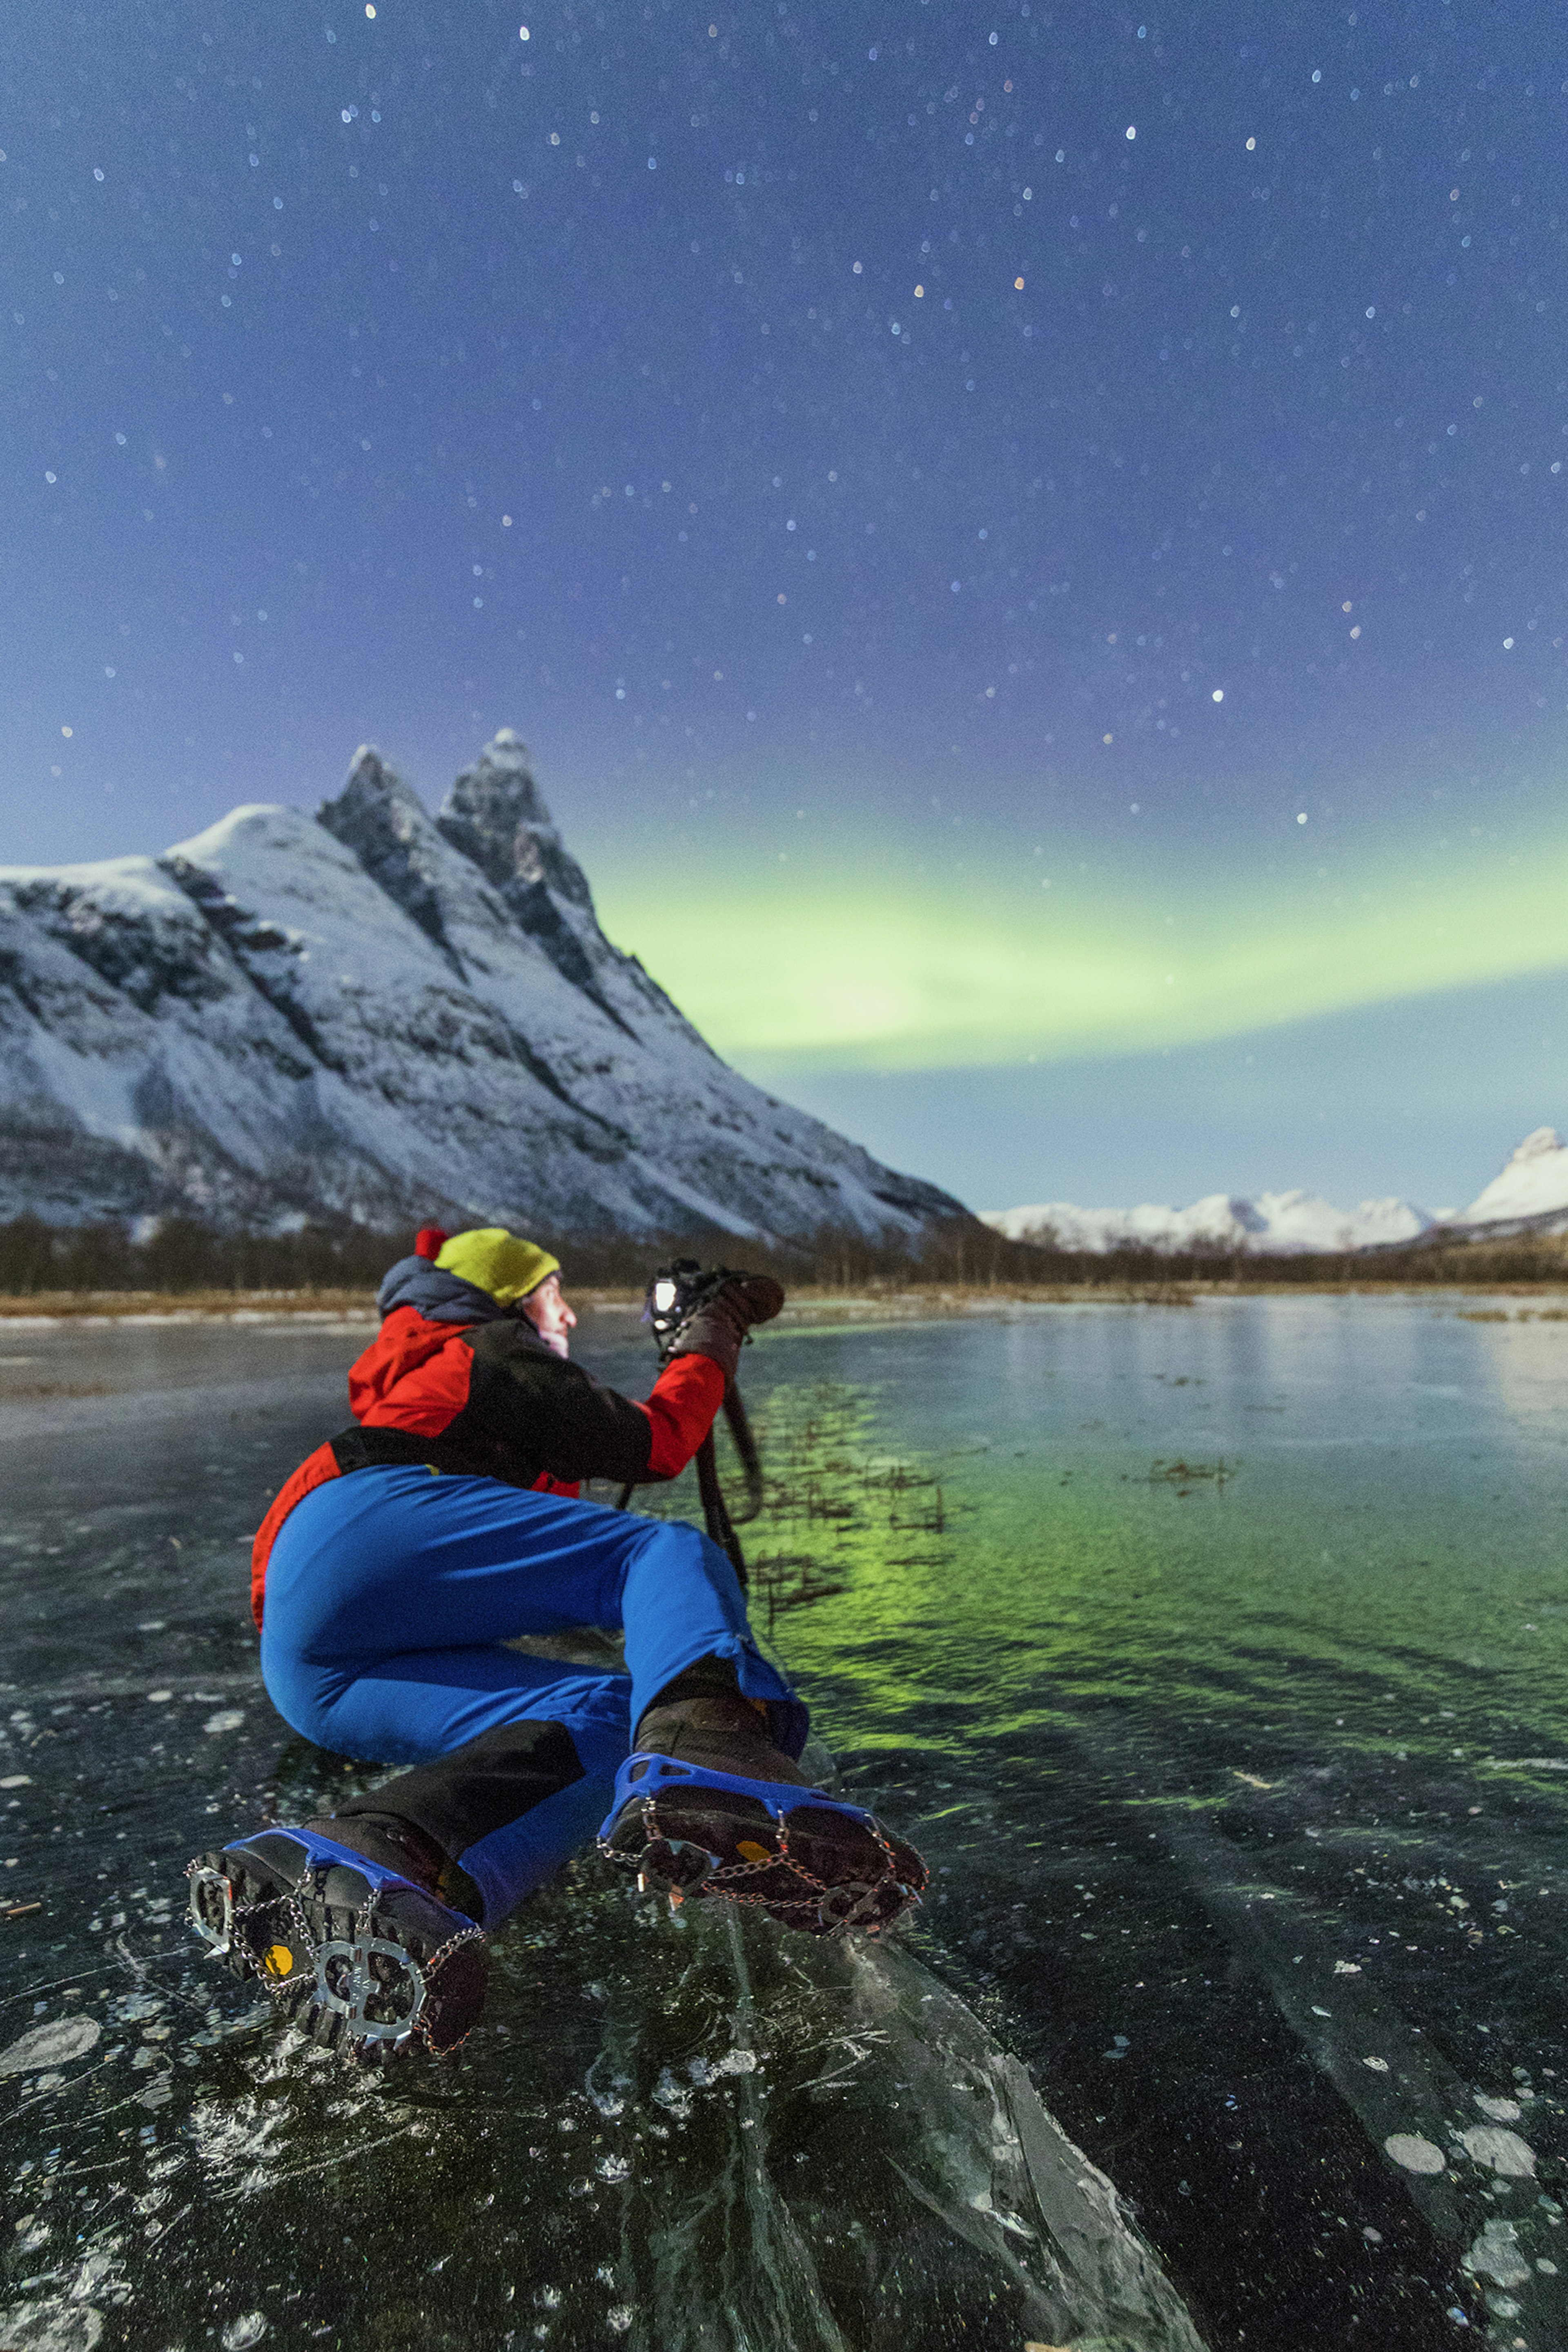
1162, 1808
54, 2326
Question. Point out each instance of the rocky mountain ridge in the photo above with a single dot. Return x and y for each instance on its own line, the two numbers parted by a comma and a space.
375, 1015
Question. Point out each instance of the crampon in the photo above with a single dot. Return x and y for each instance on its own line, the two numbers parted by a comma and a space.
366, 1963
808, 1861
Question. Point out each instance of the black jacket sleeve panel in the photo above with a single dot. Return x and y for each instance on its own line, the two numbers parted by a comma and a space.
543, 1413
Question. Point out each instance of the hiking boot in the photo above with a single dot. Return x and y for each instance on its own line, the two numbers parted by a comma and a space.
706, 1805
347, 1926
400, 1845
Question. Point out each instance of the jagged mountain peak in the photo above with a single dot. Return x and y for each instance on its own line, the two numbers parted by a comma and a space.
1536, 1145
386, 824
371, 777
375, 804
349, 1016
495, 814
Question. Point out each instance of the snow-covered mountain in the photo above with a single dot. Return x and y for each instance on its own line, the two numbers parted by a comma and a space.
1279, 1223
375, 1014
1533, 1184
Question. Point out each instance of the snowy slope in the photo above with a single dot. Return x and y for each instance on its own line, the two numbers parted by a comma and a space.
1533, 1184
374, 1014
1276, 1222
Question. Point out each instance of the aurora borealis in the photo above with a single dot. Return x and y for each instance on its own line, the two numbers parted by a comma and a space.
925, 970
1026, 542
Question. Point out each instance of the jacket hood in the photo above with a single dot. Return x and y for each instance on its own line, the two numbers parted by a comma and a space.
439, 1297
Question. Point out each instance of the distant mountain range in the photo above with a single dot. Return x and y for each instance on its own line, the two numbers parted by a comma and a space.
1529, 1196
375, 1015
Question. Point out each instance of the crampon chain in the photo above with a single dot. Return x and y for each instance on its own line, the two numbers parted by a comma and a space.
286, 1995
722, 1880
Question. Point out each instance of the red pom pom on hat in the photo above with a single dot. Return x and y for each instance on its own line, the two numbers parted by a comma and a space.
430, 1242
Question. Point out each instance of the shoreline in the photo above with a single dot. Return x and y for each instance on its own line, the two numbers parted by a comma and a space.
865, 1303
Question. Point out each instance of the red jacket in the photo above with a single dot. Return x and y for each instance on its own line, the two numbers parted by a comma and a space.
486, 1397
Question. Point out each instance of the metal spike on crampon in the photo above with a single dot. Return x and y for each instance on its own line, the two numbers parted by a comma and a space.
366, 1963
809, 1860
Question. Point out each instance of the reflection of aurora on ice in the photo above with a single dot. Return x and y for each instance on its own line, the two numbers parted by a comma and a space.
1244, 1804
685, 2131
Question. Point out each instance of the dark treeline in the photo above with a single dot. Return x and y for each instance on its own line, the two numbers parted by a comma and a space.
969, 1254
183, 1256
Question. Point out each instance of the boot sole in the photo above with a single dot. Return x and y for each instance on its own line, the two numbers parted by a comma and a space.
355, 1976
812, 1863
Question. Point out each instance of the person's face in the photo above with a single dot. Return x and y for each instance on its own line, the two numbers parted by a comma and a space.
547, 1310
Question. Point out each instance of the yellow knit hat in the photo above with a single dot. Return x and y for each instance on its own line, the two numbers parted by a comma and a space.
501, 1263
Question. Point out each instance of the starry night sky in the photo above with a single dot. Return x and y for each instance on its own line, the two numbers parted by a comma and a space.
1027, 542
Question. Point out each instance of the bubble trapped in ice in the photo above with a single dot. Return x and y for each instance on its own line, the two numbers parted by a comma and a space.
53, 2044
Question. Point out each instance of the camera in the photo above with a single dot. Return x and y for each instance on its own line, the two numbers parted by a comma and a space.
675, 1292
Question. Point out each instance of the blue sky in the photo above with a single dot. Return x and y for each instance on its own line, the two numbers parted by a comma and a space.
1026, 542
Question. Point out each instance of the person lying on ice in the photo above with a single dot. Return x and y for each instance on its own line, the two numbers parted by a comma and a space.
387, 1579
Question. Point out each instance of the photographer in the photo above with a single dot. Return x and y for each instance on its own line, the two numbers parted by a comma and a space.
388, 1577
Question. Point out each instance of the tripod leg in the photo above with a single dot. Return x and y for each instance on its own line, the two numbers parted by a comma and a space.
714, 1511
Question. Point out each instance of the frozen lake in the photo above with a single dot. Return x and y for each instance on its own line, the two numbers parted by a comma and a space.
1213, 1655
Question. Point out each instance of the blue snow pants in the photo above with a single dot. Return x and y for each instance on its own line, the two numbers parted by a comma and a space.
391, 1593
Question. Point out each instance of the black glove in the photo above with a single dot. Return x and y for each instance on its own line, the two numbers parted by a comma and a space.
721, 1322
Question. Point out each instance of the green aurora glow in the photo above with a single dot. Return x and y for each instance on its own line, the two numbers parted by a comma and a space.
807, 965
